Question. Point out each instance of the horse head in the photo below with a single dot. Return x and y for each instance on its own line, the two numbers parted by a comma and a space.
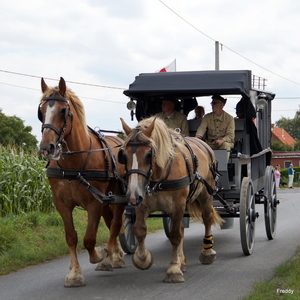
54, 113
137, 154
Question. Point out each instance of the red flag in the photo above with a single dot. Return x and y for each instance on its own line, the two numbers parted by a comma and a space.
169, 68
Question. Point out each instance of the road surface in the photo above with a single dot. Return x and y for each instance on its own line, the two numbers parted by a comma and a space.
231, 276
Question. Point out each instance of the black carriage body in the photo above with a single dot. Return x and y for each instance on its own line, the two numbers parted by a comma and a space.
253, 141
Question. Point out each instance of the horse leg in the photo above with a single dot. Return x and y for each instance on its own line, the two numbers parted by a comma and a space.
142, 258
75, 277
112, 215
96, 254
178, 263
208, 254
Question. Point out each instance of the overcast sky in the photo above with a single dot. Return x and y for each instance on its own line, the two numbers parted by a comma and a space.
108, 43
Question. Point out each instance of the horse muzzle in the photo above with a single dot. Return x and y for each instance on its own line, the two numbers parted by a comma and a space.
134, 199
51, 151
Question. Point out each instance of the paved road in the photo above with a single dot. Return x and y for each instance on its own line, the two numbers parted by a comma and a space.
231, 276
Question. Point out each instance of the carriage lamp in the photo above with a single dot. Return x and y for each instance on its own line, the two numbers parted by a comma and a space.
131, 105
261, 103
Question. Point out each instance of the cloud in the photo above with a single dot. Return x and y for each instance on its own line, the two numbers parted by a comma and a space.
108, 43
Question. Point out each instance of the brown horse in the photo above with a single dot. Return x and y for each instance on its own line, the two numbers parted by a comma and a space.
168, 173
82, 170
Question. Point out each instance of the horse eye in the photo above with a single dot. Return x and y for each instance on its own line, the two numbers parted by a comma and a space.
63, 112
148, 157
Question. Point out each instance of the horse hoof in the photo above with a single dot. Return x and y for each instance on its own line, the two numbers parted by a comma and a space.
119, 264
142, 264
74, 282
174, 278
105, 265
207, 259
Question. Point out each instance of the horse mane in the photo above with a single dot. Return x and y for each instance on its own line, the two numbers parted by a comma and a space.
75, 101
163, 139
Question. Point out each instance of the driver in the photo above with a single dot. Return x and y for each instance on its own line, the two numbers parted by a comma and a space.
171, 117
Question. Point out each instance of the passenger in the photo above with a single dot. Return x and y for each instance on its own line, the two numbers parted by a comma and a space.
199, 112
173, 118
218, 126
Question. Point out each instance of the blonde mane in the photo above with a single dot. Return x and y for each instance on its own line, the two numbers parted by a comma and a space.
163, 139
74, 101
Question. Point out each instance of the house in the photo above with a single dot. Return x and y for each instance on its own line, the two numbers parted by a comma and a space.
284, 158
280, 135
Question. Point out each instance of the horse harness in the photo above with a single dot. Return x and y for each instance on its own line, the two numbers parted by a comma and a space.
83, 175
163, 184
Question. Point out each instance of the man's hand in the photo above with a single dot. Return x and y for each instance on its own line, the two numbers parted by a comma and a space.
219, 142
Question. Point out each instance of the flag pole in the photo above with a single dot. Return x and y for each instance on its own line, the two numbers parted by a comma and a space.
217, 55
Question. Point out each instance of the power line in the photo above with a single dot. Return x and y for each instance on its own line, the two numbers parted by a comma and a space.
75, 82
28, 88
226, 46
24, 87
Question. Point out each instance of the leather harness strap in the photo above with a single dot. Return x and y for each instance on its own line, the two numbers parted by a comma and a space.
83, 175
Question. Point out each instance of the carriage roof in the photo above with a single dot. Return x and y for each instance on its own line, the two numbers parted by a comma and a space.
192, 83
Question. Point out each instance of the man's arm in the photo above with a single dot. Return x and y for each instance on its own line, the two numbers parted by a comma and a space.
201, 129
229, 136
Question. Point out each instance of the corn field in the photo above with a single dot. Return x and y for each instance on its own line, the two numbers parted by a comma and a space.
23, 183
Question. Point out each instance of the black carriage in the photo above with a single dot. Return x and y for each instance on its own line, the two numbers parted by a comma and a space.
247, 178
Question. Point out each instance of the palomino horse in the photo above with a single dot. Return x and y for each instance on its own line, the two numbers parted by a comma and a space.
169, 173
82, 170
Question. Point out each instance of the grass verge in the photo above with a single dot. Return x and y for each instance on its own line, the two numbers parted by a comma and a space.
284, 285
34, 238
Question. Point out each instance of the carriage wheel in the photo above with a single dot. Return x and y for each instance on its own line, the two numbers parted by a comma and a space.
247, 216
168, 224
270, 203
127, 238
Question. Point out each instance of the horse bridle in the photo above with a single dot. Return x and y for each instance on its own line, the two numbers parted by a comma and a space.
68, 114
135, 145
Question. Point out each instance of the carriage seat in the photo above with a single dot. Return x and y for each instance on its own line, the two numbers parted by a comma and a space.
193, 126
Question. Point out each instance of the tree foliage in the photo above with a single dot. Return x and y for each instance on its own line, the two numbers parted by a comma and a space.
292, 126
277, 146
14, 132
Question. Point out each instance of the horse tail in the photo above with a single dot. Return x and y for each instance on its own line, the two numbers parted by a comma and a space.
195, 211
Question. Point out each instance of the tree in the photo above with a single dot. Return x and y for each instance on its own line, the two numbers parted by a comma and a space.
277, 146
14, 132
292, 126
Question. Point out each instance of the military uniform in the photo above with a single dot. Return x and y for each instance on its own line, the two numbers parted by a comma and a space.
176, 120
216, 128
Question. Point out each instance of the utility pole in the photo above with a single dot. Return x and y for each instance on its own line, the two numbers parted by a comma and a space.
217, 55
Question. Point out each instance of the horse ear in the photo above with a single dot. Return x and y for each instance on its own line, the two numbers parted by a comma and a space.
126, 128
149, 130
62, 87
44, 85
